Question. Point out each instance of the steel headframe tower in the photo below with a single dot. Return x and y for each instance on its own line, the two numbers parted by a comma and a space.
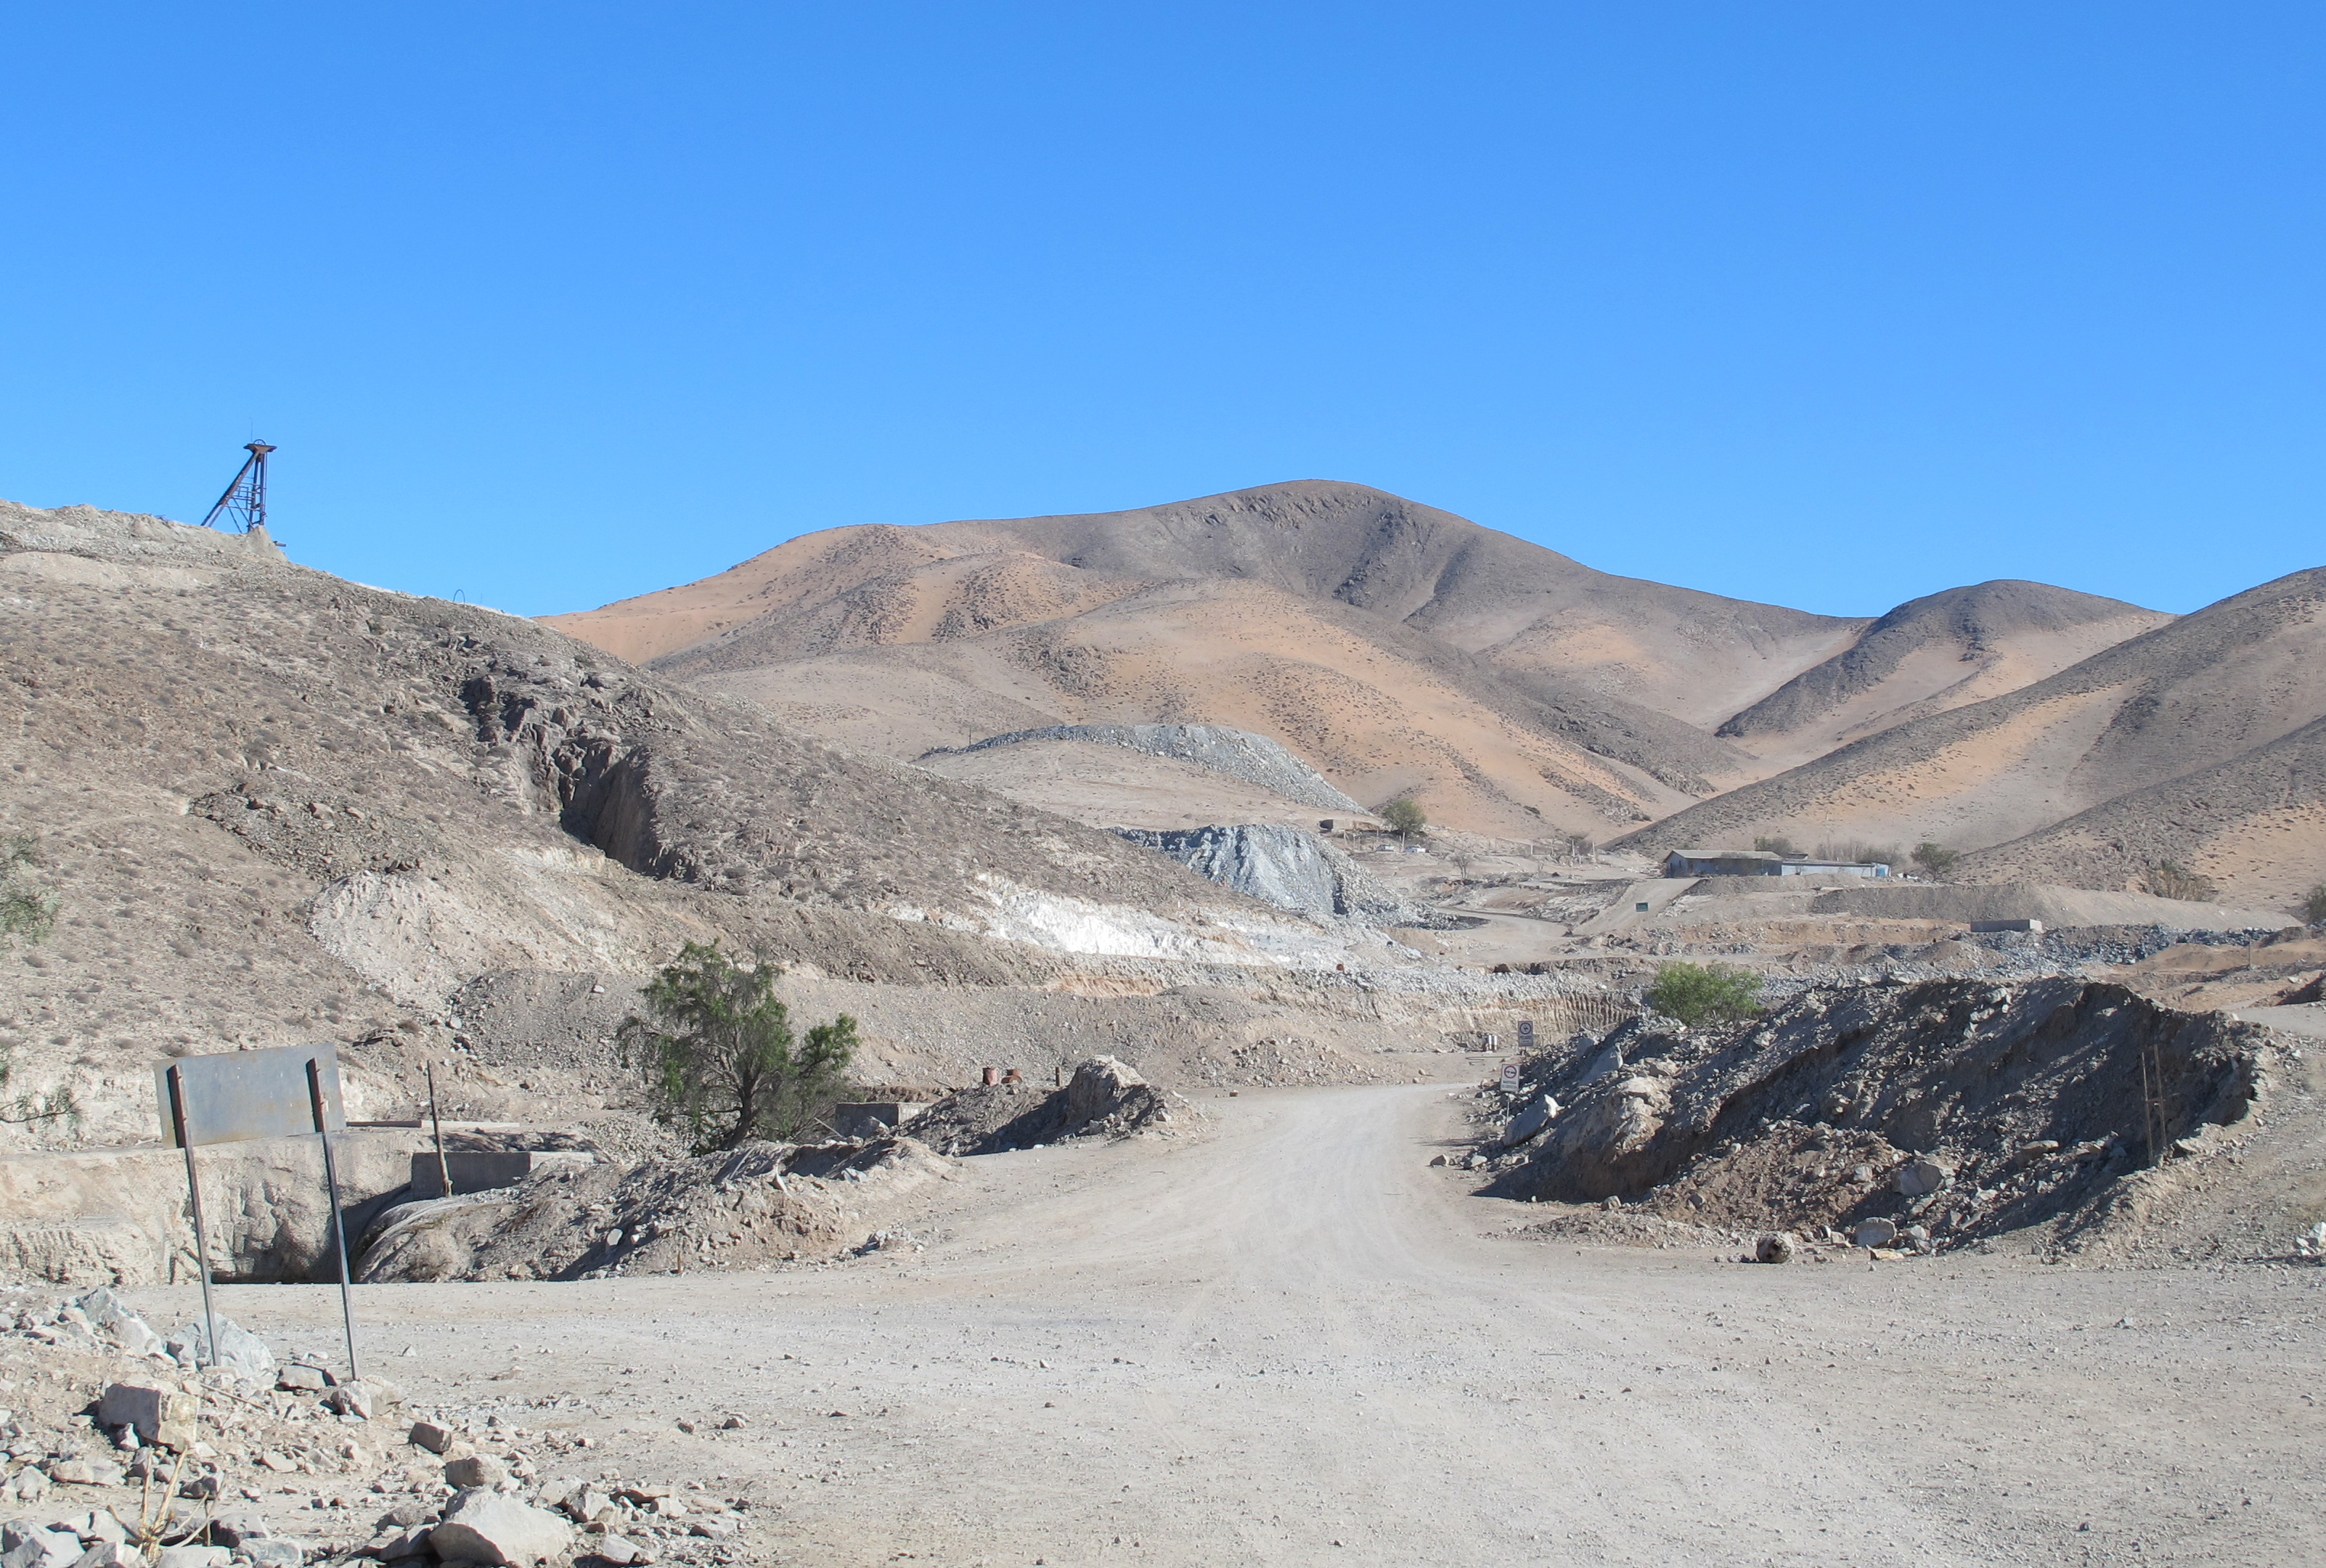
245, 501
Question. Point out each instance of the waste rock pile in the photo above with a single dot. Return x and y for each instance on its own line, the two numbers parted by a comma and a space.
754, 1206
1106, 1098
1949, 1112
122, 1458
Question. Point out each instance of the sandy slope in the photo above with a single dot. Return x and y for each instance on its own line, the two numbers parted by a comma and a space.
2208, 692
1404, 648
1932, 654
1296, 1345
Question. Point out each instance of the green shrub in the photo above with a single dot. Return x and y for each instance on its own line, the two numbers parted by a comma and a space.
718, 1052
2313, 905
27, 910
1775, 844
1701, 994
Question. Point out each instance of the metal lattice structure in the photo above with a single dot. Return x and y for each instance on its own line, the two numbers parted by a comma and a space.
244, 504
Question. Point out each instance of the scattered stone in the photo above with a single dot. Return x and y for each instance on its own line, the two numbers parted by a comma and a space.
276, 1553
279, 1463
479, 1470
620, 1553
111, 1554
85, 1472
1438, 1159
304, 1380
194, 1557
1874, 1232
238, 1527
430, 1436
1776, 1246
24, 1545
484, 1527
734, 1423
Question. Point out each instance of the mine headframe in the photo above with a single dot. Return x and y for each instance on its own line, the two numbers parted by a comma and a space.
244, 504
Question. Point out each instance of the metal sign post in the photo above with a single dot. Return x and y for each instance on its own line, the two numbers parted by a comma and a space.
1510, 1078
237, 1096
339, 1222
1526, 1033
175, 1085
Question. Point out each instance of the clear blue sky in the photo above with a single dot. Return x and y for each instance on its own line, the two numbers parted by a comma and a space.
1830, 304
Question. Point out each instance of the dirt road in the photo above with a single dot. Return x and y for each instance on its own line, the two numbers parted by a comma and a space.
1295, 1343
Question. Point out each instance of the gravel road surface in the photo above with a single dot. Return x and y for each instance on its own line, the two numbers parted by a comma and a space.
1294, 1342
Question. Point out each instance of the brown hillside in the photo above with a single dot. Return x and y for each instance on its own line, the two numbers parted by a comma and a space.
2189, 696
1946, 650
2254, 825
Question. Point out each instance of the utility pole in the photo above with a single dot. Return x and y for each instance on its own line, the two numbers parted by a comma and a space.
245, 501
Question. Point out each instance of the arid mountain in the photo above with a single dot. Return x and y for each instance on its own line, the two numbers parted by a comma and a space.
276, 807
1393, 646
2254, 826
1943, 651
2204, 696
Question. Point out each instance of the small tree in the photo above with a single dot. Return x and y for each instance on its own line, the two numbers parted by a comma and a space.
2168, 879
1935, 859
1775, 844
1701, 994
1402, 816
2313, 905
718, 1053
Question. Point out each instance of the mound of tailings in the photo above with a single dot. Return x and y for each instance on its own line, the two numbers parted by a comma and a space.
1239, 754
1964, 1109
1286, 866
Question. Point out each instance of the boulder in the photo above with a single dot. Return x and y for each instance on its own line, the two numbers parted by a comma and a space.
145, 1406
479, 1470
484, 1527
194, 1557
1098, 1088
1874, 1232
1776, 1246
302, 1380
274, 1552
111, 1554
1921, 1177
24, 1545
238, 1349
430, 1436
85, 1472
1532, 1117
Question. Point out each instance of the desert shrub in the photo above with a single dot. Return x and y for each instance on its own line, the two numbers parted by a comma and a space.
1935, 859
1701, 994
28, 913
2313, 905
2168, 879
27, 910
1775, 844
1402, 816
716, 1053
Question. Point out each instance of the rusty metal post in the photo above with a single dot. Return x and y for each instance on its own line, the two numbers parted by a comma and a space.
339, 1220
194, 1190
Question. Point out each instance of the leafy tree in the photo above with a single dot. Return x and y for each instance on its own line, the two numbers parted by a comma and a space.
2168, 879
1701, 994
2313, 905
1402, 816
716, 1051
1935, 859
1775, 844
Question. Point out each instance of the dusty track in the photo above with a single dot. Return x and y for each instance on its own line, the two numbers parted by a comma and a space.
1294, 1345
